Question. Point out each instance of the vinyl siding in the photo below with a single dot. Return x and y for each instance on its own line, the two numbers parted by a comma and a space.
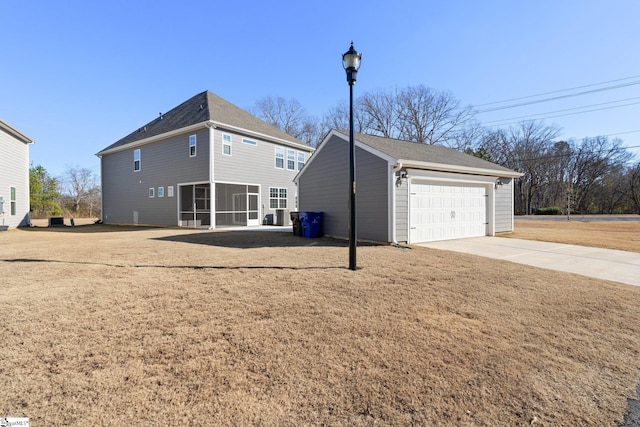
125, 192
504, 206
256, 165
324, 187
14, 172
402, 211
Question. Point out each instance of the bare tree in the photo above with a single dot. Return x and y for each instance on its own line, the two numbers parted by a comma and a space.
468, 137
633, 186
430, 117
288, 116
527, 148
594, 158
338, 118
81, 188
381, 109
416, 113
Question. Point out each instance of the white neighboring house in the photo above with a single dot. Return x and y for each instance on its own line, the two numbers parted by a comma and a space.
14, 177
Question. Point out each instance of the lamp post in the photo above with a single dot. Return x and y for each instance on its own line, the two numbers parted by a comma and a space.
351, 64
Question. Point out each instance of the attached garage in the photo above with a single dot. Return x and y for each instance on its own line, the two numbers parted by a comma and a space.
406, 192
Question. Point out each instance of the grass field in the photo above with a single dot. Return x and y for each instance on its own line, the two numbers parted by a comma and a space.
110, 325
623, 235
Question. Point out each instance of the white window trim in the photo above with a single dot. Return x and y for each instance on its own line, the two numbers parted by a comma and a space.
193, 142
279, 199
299, 163
152, 192
137, 150
160, 191
12, 197
225, 144
291, 160
249, 142
170, 191
282, 150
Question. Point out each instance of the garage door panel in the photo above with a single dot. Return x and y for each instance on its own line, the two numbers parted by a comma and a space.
447, 211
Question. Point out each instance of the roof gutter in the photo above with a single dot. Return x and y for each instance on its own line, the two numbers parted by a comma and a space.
15, 132
207, 124
154, 138
460, 169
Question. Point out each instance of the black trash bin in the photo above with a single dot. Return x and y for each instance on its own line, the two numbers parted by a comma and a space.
297, 225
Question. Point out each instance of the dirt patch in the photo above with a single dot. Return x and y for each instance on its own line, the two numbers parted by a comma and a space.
104, 325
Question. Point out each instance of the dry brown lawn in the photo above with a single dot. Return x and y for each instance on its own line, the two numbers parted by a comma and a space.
623, 235
106, 325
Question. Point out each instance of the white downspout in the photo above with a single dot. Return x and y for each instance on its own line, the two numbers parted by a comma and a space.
212, 184
392, 201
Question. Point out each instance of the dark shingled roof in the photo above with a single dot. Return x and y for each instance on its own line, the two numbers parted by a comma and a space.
201, 108
414, 151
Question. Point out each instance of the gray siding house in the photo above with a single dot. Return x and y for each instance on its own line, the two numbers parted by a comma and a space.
406, 192
205, 164
14, 177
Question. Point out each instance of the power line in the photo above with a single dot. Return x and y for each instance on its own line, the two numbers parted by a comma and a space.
563, 115
571, 109
555, 91
555, 98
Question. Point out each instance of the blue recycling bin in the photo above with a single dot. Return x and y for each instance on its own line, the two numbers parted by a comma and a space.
311, 224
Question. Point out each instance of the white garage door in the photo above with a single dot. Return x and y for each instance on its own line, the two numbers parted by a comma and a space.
442, 211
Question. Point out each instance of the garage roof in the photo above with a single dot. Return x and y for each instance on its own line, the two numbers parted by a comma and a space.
416, 155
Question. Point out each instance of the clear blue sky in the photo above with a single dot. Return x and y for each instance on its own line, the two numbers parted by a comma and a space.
76, 76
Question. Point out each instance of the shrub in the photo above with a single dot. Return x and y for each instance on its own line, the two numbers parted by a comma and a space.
551, 210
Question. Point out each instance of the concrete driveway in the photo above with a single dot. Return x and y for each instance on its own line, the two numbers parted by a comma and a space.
608, 264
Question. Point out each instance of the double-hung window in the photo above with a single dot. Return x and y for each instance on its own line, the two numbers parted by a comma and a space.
192, 146
277, 198
300, 160
279, 158
13, 201
152, 192
291, 160
136, 160
226, 144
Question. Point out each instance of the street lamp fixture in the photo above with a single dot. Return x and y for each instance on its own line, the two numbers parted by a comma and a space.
351, 63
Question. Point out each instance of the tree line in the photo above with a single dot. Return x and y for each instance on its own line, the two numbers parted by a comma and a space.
75, 194
594, 175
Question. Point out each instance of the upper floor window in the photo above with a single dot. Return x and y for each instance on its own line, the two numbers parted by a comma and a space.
152, 192
249, 141
160, 191
291, 160
136, 160
279, 158
300, 160
192, 146
170, 191
226, 144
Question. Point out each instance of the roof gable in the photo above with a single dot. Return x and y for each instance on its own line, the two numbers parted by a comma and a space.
424, 153
204, 108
